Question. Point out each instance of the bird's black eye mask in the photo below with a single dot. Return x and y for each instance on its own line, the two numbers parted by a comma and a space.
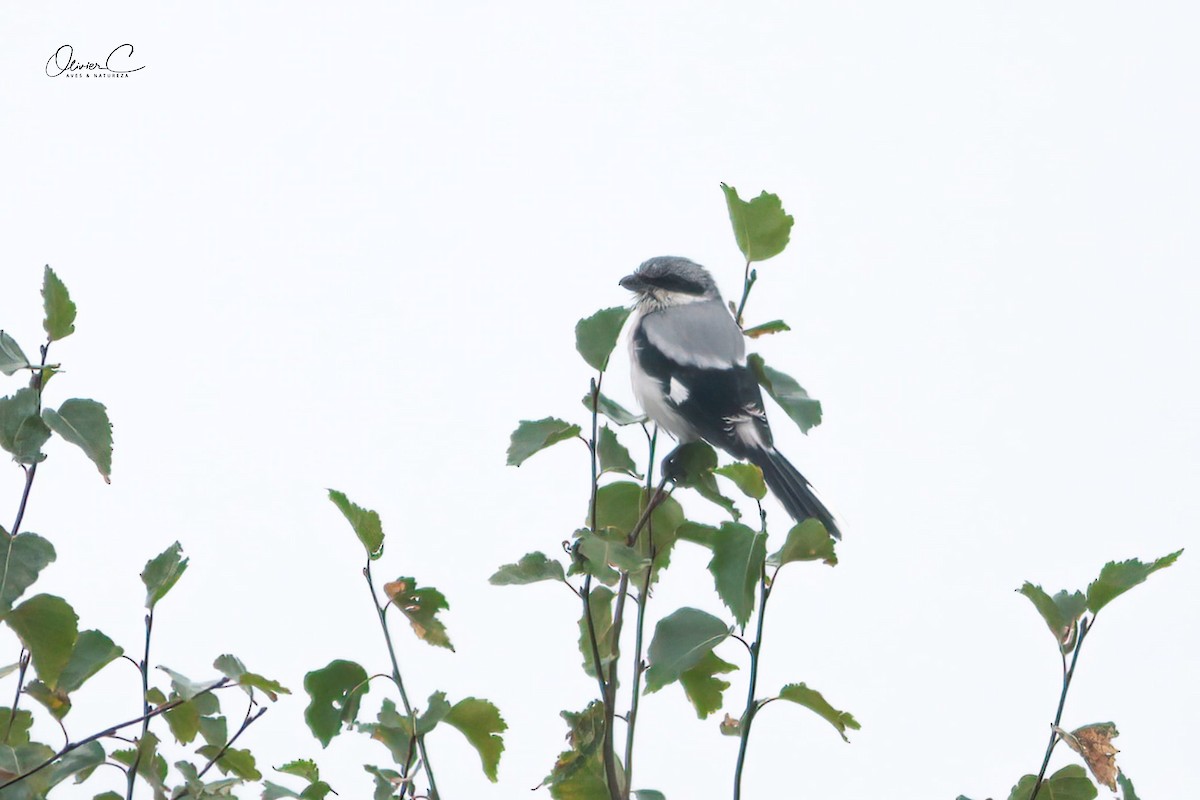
674, 283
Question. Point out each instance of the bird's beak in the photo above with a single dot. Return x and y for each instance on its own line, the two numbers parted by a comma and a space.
631, 282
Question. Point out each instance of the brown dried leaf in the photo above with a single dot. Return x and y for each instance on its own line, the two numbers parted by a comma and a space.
1094, 743
731, 726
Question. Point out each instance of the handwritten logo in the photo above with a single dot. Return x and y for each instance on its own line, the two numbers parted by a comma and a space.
119, 64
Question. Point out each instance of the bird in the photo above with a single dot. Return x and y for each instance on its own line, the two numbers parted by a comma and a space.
689, 373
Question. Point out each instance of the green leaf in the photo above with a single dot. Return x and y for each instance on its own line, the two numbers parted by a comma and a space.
56, 701
600, 600
790, 396
162, 572
1069, 783
23, 556
11, 357
184, 686
393, 731
19, 759
238, 762
109, 796
1116, 578
613, 455
184, 720
807, 541
812, 699
387, 782
619, 506
532, 567
150, 763
304, 768
612, 409
697, 533
366, 524
533, 436
22, 431
599, 553
680, 641
692, 466
79, 763
701, 685
578, 773
93, 651
421, 606
649, 794
1127, 792
85, 423
775, 326
232, 667
335, 693
481, 723
1060, 612
215, 730
761, 226
60, 311
747, 477
18, 731
737, 567
48, 628
316, 789
596, 336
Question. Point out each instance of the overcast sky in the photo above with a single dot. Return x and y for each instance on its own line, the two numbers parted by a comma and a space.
345, 245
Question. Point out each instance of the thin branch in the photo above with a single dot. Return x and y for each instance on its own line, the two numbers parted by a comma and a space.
145, 669
748, 280
764, 592
22, 665
35, 383
644, 595
1068, 674
111, 731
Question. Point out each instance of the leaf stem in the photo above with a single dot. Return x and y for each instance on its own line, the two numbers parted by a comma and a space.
22, 665
764, 592
144, 668
111, 731
387, 637
1068, 674
35, 383
642, 599
748, 280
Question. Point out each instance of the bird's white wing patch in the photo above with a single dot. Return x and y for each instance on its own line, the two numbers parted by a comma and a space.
678, 393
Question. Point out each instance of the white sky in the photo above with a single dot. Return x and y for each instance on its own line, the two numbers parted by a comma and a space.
318, 246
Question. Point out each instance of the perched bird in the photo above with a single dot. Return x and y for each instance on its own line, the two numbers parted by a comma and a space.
688, 359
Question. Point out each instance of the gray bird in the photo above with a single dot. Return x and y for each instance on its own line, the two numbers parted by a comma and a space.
688, 359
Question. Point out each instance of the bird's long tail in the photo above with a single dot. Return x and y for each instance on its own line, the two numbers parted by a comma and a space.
792, 490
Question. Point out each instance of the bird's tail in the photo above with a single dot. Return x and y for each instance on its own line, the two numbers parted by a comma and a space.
792, 490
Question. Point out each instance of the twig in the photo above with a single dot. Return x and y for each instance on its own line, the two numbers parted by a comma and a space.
22, 665
747, 284
1068, 674
764, 592
145, 670
112, 731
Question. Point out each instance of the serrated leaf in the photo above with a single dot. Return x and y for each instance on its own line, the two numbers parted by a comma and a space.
807, 541
93, 651
56, 701
760, 226
1127, 791
22, 557
214, 730
698, 533
184, 686
19, 759
596, 336
532, 567
578, 773
232, 667
600, 602
481, 723
60, 311
1116, 578
784, 390
748, 478
612, 409
84, 423
613, 455
387, 782
619, 506
11, 356
366, 524
691, 465
162, 572
184, 720
739, 554
78, 764
811, 699
233, 760
775, 326
1094, 744
1069, 783
18, 730
420, 605
680, 641
335, 692
304, 768
48, 628
1060, 612
22, 431
701, 685
605, 555
533, 436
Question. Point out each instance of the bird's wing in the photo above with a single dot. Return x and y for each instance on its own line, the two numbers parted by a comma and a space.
696, 335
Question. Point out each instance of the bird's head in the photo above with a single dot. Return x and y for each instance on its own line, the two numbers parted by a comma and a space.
671, 281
